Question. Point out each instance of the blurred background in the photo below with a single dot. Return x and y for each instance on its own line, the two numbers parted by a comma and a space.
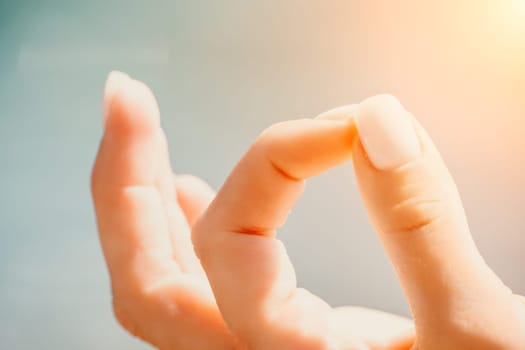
222, 72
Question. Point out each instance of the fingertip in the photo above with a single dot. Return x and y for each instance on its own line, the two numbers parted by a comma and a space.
386, 132
189, 186
194, 195
131, 107
129, 151
113, 82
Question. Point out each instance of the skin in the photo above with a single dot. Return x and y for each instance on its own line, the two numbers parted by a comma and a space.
191, 269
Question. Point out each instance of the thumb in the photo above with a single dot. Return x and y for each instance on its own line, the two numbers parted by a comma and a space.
414, 206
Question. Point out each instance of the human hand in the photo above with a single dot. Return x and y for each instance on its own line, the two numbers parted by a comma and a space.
161, 294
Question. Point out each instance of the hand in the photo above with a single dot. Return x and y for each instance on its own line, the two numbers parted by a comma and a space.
160, 293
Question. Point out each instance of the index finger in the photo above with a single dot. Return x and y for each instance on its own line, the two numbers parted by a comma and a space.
249, 271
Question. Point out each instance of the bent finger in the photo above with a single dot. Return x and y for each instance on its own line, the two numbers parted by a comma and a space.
249, 271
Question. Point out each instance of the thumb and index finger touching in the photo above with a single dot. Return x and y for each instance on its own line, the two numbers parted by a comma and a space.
407, 190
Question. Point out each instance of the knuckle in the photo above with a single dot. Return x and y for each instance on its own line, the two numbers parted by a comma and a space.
275, 135
265, 138
418, 198
416, 214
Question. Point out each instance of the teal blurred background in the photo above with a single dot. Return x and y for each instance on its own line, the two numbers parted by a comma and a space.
223, 71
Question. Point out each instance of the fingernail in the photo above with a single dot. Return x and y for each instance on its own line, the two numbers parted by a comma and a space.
114, 81
386, 132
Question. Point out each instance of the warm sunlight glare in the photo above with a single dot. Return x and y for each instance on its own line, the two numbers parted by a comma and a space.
517, 16
519, 7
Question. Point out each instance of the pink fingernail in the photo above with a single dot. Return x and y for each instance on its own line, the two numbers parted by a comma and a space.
386, 132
